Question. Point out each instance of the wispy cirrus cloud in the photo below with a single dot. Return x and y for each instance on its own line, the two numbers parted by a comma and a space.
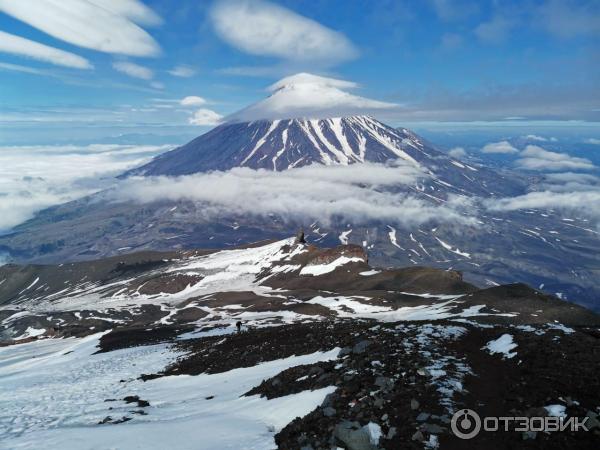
266, 29
133, 70
531, 101
568, 19
182, 71
453, 10
16, 45
134, 10
102, 25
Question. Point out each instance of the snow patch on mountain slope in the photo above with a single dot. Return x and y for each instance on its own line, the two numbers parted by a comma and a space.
223, 271
261, 141
504, 344
452, 249
338, 140
53, 395
393, 239
321, 269
343, 237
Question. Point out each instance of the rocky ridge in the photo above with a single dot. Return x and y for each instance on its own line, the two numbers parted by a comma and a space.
411, 346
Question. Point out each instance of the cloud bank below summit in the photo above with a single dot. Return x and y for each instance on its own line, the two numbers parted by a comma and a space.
359, 193
33, 178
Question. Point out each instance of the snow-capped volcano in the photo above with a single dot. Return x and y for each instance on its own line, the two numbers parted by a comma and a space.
282, 144
306, 119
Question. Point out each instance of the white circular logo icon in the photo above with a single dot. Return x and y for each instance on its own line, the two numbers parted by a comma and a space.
466, 424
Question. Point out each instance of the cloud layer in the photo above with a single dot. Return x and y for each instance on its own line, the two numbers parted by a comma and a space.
457, 152
192, 100
499, 147
586, 203
537, 158
182, 71
357, 192
133, 70
103, 25
264, 28
309, 96
9, 43
569, 192
35, 177
205, 117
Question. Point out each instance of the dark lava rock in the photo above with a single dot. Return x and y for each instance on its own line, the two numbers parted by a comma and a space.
354, 436
135, 399
361, 346
329, 411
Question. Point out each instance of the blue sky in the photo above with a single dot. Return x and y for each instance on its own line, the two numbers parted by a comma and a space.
123, 67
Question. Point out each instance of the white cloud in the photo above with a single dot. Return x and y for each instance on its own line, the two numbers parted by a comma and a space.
499, 147
566, 177
132, 9
205, 117
182, 71
24, 69
102, 25
457, 152
277, 70
9, 43
535, 137
309, 96
586, 203
451, 10
570, 182
192, 100
592, 141
569, 192
451, 41
133, 70
328, 193
568, 19
36, 177
263, 28
157, 85
537, 158
494, 31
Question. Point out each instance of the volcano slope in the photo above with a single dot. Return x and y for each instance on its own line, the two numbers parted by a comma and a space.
333, 353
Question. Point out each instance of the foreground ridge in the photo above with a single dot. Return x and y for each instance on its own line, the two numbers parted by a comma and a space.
332, 353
